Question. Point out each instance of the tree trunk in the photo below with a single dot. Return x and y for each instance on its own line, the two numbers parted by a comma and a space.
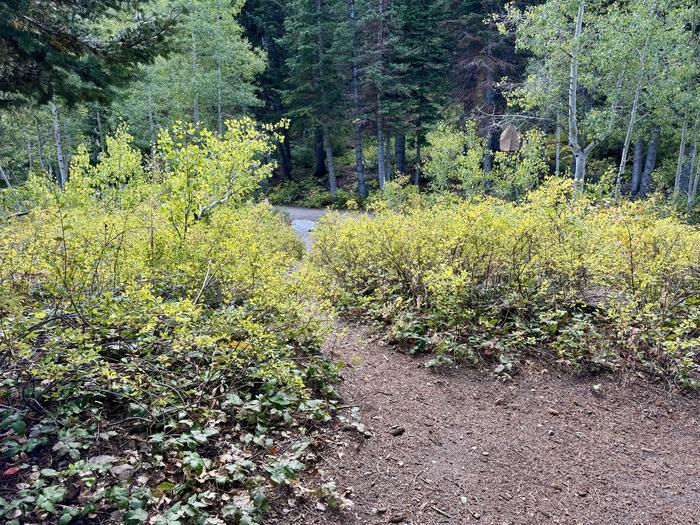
195, 91
580, 170
630, 128
686, 177
681, 157
4, 177
69, 143
359, 162
356, 109
419, 160
387, 156
332, 182
40, 146
381, 163
400, 152
580, 153
637, 167
284, 167
30, 156
693, 185
62, 166
650, 162
151, 120
557, 155
100, 129
487, 162
319, 154
287, 152
219, 108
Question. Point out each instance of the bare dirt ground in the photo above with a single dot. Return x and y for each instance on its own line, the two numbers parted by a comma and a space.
463, 447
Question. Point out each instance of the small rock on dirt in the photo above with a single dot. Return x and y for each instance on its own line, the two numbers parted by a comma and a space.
397, 431
122, 472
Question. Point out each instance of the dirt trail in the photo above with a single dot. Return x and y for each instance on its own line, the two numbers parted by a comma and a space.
465, 448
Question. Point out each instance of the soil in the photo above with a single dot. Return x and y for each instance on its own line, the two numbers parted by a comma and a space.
461, 446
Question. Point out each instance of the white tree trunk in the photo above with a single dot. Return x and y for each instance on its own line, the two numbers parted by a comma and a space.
580, 153
62, 166
4, 177
630, 128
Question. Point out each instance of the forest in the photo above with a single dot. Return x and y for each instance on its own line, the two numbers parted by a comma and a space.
349, 261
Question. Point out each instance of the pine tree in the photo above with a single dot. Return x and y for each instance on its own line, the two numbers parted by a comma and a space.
419, 69
315, 92
48, 48
481, 56
263, 21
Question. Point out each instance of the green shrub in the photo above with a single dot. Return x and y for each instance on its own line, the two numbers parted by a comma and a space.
455, 163
308, 193
152, 354
592, 286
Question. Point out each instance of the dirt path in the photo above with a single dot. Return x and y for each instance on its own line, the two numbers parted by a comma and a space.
466, 448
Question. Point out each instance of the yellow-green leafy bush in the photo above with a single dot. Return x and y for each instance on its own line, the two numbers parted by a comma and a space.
592, 286
157, 361
456, 162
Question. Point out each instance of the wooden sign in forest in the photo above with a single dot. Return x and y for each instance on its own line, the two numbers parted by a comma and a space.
511, 140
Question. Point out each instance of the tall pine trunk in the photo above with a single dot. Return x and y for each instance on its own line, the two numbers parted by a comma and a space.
650, 162
40, 146
387, 156
637, 167
284, 167
400, 152
319, 153
356, 109
60, 158
419, 160
381, 163
328, 148
287, 153
381, 160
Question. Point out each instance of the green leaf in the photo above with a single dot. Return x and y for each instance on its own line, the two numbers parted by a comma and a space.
165, 486
20, 427
135, 517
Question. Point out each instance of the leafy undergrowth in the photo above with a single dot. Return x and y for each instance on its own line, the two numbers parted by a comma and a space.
489, 282
157, 365
308, 193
